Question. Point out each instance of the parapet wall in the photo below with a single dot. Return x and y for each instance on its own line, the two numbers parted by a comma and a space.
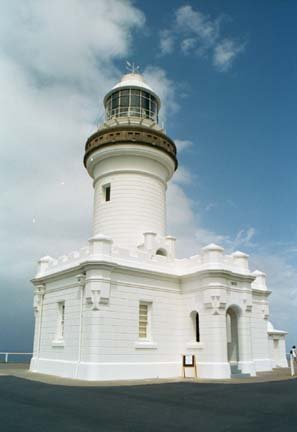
155, 254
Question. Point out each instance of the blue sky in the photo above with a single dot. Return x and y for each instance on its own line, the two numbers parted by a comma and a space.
242, 122
226, 72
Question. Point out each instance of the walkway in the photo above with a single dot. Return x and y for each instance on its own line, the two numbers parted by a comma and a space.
32, 406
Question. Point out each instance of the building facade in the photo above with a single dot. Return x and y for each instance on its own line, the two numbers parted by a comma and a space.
123, 306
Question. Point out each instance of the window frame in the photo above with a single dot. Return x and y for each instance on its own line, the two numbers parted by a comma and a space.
146, 107
197, 327
60, 329
106, 189
148, 335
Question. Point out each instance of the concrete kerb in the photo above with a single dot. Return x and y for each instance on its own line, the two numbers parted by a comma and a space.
22, 371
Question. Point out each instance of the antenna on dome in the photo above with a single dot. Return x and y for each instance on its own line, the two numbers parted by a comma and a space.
132, 67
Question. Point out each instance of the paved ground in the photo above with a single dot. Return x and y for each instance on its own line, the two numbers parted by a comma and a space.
20, 370
181, 406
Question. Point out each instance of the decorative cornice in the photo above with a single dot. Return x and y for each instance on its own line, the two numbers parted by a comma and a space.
223, 272
264, 293
123, 134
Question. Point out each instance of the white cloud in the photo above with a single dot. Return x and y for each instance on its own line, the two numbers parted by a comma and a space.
183, 221
165, 88
182, 145
66, 41
166, 42
190, 21
225, 53
197, 33
244, 237
182, 176
56, 63
55, 67
188, 44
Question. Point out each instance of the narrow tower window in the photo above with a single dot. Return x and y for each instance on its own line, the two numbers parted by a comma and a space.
197, 327
106, 192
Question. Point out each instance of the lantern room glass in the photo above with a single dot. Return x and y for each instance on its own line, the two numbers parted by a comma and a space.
132, 103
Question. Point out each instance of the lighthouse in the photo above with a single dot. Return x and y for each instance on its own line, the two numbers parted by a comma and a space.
123, 306
130, 160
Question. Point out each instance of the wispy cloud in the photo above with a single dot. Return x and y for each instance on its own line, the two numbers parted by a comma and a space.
165, 88
225, 53
200, 26
166, 42
210, 206
244, 237
193, 32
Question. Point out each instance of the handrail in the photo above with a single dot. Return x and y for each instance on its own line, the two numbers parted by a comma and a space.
6, 354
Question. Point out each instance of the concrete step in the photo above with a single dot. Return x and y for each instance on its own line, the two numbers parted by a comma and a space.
237, 373
277, 372
240, 375
235, 369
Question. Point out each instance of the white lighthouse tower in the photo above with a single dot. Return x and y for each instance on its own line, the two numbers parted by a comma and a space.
131, 160
123, 306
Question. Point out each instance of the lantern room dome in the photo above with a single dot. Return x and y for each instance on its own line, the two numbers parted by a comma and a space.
132, 97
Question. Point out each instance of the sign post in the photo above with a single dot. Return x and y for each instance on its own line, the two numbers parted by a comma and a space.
189, 360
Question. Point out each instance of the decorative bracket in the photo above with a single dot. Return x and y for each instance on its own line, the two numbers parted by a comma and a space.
81, 279
247, 304
98, 288
265, 311
97, 297
216, 303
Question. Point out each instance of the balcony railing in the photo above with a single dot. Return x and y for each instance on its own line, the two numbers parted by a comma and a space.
7, 354
132, 112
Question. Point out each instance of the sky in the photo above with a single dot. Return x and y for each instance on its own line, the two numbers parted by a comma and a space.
226, 73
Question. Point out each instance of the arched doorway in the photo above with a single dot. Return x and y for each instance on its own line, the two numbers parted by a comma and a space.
232, 336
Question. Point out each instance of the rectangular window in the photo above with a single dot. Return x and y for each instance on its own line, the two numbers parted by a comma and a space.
144, 320
106, 192
61, 321
115, 100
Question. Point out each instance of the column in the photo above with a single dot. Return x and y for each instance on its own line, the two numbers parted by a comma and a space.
246, 363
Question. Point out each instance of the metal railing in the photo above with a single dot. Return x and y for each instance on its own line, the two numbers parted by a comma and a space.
132, 112
7, 354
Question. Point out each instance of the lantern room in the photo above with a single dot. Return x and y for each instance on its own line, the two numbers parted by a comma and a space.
132, 97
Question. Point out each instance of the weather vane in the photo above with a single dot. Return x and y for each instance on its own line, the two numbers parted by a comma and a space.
132, 67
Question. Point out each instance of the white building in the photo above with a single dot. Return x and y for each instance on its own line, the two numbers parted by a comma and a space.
124, 306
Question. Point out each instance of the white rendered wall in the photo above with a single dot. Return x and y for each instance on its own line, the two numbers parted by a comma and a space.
102, 317
111, 347
53, 358
210, 352
261, 354
211, 297
277, 347
138, 178
137, 205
